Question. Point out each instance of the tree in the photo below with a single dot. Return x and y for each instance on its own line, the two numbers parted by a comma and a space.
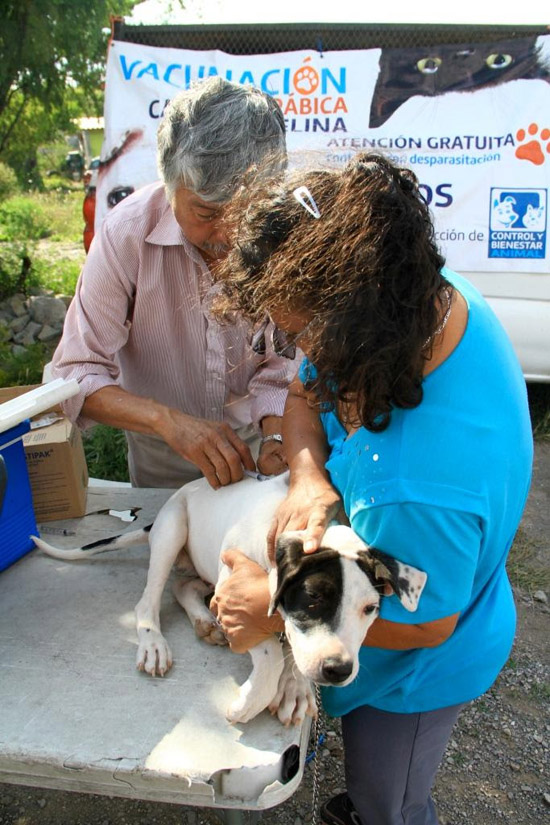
50, 49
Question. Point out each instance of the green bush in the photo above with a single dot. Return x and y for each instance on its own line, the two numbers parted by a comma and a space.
106, 451
59, 185
63, 209
58, 275
20, 370
50, 157
8, 181
23, 219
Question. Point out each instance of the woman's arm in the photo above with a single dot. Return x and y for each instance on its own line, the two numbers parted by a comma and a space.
312, 501
395, 636
241, 605
304, 437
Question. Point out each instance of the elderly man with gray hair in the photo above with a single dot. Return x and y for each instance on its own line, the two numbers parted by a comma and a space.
139, 336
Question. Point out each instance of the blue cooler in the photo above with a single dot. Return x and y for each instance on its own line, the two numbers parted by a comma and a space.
17, 521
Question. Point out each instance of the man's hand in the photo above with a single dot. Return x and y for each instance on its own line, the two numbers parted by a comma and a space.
241, 604
271, 460
213, 446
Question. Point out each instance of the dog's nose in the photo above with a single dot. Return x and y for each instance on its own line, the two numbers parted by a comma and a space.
336, 670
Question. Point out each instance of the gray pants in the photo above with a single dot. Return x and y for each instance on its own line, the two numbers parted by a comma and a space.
391, 760
152, 463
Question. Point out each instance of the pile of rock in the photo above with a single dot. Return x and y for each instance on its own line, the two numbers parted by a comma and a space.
38, 318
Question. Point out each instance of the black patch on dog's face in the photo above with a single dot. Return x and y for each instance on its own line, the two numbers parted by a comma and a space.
313, 598
309, 586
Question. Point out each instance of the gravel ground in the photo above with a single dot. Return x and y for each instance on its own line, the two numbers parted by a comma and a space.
497, 765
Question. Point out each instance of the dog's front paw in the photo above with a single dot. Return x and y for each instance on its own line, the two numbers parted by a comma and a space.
153, 655
294, 699
210, 631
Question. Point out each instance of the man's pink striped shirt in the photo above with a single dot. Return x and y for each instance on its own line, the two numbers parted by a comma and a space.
140, 319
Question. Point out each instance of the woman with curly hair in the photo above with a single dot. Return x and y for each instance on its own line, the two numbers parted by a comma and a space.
410, 414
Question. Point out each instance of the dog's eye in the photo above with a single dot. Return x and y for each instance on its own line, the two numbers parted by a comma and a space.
315, 600
370, 608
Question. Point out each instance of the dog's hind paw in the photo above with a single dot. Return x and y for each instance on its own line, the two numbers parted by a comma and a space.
153, 654
210, 631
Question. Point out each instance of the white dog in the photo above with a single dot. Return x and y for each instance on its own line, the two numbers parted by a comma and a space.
327, 599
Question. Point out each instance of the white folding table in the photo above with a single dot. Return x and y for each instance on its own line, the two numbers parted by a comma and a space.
76, 715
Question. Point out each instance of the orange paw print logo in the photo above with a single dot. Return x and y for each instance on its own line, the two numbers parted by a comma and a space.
306, 80
535, 148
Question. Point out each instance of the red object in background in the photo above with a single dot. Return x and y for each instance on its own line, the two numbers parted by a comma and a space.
88, 210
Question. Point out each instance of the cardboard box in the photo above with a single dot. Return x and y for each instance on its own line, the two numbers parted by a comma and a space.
56, 465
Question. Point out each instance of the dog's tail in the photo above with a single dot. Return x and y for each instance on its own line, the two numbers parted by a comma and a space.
94, 547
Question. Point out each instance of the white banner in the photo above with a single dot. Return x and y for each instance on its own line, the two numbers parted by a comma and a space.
472, 122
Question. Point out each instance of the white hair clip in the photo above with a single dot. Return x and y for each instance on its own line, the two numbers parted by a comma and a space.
306, 199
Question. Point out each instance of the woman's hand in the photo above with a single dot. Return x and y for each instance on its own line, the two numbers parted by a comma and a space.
309, 506
241, 604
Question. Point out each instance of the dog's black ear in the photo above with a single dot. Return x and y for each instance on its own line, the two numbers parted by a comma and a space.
405, 581
289, 552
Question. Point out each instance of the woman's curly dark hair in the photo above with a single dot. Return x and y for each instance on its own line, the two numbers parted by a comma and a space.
368, 270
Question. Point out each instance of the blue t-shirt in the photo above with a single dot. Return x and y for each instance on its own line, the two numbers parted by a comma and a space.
442, 488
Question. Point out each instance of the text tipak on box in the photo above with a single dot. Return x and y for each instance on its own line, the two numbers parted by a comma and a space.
56, 465
57, 471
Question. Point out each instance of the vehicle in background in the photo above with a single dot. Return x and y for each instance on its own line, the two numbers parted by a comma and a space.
90, 174
73, 165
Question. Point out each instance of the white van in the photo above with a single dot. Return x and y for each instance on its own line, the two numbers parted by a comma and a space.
522, 302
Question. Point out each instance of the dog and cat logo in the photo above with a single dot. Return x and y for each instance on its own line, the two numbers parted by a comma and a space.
517, 223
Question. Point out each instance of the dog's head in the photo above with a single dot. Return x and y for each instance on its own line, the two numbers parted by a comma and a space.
330, 598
